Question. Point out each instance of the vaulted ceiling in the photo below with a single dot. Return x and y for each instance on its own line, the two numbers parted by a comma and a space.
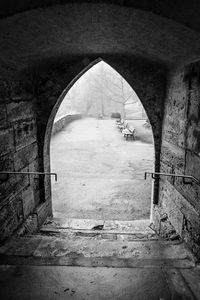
165, 32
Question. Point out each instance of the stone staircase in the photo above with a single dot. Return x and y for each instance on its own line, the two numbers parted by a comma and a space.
117, 246
76, 243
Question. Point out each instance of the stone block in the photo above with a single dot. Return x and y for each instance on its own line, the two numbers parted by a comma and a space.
28, 201
34, 167
43, 211
20, 111
25, 133
190, 236
6, 141
35, 181
25, 156
11, 187
193, 109
31, 224
37, 196
192, 164
189, 191
174, 130
11, 216
193, 138
155, 218
180, 204
6, 162
47, 186
173, 155
174, 214
3, 116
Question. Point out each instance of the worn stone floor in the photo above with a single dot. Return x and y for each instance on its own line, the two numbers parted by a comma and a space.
98, 257
123, 260
101, 175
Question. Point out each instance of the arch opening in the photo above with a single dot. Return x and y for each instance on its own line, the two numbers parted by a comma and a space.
100, 173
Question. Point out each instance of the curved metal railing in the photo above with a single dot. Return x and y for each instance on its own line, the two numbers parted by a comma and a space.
156, 176
27, 173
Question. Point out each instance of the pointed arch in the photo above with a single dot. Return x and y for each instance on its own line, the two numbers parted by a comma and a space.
46, 149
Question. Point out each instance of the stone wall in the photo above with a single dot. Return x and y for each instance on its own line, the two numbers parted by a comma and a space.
180, 154
62, 122
19, 194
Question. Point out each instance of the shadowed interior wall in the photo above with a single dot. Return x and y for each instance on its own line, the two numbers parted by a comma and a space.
19, 194
42, 52
180, 154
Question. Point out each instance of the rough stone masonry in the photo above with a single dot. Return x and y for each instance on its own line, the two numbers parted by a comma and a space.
44, 50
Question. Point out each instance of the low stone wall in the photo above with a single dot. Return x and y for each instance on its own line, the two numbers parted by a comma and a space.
64, 121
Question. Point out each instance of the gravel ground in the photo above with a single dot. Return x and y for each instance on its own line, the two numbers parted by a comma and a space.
100, 175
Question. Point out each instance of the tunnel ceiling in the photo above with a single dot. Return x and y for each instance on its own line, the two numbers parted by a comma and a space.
94, 29
183, 11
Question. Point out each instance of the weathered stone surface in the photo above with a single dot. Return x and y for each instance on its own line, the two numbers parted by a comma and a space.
25, 156
189, 191
31, 224
193, 138
173, 155
191, 236
25, 133
11, 216
15, 184
3, 116
193, 114
6, 162
177, 284
107, 23
168, 197
28, 201
43, 211
192, 164
174, 127
20, 111
180, 155
192, 278
6, 141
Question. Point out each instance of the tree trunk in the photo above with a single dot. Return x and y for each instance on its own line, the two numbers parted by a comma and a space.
123, 111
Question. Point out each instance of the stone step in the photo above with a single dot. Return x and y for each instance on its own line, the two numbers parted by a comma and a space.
113, 226
51, 250
98, 234
108, 229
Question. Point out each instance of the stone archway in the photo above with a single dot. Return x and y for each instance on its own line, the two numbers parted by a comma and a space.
155, 128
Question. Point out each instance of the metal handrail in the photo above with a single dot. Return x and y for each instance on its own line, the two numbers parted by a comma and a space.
155, 175
31, 173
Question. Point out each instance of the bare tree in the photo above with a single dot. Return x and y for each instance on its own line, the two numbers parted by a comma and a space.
111, 86
99, 88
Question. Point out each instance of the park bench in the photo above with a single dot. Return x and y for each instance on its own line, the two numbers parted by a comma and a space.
123, 126
118, 121
129, 132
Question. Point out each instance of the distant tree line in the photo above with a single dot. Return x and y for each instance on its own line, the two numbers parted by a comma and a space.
101, 90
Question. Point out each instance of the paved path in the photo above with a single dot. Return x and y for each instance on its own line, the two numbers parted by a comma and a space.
100, 175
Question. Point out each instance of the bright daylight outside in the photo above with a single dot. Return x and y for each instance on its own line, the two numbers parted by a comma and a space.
101, 146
